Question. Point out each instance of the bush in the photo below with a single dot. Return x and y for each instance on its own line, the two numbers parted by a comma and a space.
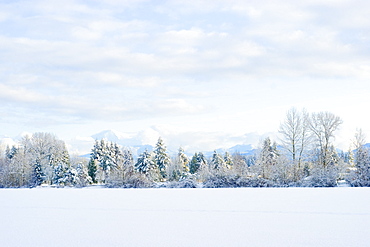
322, 177
138, 181
255, 182
235, 181
183, 183
221, 181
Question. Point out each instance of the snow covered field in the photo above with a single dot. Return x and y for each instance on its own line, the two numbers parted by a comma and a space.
185, 217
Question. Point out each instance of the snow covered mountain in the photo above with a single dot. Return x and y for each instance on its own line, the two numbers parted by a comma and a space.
111, 135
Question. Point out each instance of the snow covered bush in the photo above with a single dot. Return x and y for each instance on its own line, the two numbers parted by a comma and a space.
182, 183
255, 182
138, 180
221, 181
322, 177
235, 181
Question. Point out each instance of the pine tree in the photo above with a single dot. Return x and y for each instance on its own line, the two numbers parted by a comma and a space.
194, 164
183, 160
59, 174
91, 167
267, 158
144, 163
11, 152
228, 160
217, 162
37, 175
83, 175
128, 159
161, 158
107, 157
71, 177
197, 162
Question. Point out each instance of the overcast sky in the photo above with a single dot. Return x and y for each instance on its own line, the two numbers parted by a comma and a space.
75, 68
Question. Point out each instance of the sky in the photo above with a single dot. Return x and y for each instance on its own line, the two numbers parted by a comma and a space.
206, 74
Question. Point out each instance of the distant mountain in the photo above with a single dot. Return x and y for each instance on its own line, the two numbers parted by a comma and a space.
110, 135
242, 149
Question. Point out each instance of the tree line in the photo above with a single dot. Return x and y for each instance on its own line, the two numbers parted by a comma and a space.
303, 156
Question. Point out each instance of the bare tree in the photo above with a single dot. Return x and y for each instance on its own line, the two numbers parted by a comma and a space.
322, 126
295, 136
360, 139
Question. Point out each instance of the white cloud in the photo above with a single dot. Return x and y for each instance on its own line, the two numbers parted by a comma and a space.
120, 61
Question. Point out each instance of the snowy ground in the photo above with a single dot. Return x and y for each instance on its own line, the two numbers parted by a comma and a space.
185, 217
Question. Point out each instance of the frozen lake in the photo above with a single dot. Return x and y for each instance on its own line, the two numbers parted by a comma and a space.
185, 217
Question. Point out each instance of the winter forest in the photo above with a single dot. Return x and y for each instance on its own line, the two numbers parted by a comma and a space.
303, 156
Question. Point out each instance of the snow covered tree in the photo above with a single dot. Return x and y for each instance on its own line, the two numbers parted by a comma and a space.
59, 174
91, 169
83, 175
15, 169
228, 160
324, 176
217, 163
197, 162
194, 164
43, 151
322, 126
326, 166
144, 162
360, 175
240, 164
146, 165
123, 171
11, 152
161, 158
295, 138
267, 158
183, 160
37, 175
179, 167
107, 157
71, 177
128, 158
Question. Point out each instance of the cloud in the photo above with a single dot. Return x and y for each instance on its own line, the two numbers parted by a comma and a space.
117, 61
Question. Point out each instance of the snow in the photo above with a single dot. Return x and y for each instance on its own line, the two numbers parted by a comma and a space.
185, 217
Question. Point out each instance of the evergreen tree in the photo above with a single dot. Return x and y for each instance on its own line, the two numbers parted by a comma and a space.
71, 177
58, 174
11, 152
197, 162
183, 160
83, 175
267, 158
217, 162
194, 164
161, 158
107, 157
144, 163
128, 158
228, 160
37, 175
91, 169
